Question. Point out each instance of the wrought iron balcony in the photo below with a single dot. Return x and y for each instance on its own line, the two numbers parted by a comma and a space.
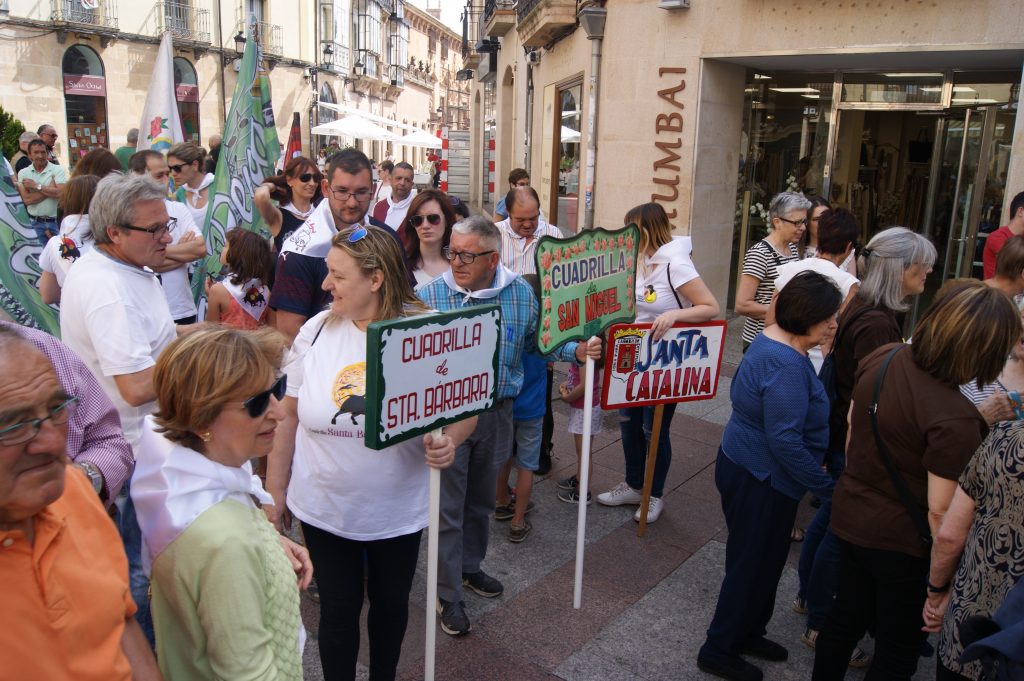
540, 21
498, 17
419, 77
103, 19
470, 33
186, 23
337, 61
270, 36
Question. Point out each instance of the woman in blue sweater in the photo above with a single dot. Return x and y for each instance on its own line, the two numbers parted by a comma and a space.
771, 454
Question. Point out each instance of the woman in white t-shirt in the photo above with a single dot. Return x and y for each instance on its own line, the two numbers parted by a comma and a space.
362, 511
71, 241
837, 236
668, 290
808, 246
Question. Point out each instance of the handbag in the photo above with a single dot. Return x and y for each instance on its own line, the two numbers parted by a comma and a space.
920, 522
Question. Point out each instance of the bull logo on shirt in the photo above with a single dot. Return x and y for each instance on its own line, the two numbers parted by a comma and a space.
68, 249
349, 391
254, 296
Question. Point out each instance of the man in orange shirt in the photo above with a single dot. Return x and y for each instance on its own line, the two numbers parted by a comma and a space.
66, 604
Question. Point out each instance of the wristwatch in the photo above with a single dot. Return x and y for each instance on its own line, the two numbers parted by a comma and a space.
932, 589
94, 475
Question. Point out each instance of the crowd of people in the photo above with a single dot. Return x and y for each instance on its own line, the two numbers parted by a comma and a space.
204, 438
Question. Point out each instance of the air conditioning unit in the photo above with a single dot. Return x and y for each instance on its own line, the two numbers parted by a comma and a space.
533, 57
674, 4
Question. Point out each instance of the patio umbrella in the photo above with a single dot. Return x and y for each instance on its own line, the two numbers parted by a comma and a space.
420, 138
354, 126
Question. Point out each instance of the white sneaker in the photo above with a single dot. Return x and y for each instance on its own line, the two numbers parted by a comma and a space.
620, 495
653, 512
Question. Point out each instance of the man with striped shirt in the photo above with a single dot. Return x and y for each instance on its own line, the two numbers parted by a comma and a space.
522, 229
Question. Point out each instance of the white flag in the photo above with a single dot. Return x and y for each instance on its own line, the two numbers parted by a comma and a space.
160, 128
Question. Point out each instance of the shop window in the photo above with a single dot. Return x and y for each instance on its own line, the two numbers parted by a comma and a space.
85, 101
186, 91
893, 87
567, 157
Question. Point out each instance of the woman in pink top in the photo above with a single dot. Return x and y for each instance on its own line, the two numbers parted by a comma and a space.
241, 299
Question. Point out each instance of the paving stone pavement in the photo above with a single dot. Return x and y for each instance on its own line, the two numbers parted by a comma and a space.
646, 601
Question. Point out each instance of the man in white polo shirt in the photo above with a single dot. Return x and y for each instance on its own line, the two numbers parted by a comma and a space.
187, 244
114, 315
39, 185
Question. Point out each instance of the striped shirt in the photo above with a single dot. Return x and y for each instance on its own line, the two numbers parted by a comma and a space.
762, 262
517, 252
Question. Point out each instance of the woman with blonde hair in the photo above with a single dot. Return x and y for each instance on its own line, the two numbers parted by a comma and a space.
362, 511
668, 290
185, 161
912, 434
225, 585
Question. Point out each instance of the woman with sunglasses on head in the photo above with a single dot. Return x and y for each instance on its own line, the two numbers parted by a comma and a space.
296, 191
192, 185
362, 511
225, 585
787, 222
426, 230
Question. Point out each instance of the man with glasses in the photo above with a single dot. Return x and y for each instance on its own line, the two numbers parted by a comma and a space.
392, 209
477, 277
48, 134
39, 185
347, 188
114, 315
187, 243
66, 603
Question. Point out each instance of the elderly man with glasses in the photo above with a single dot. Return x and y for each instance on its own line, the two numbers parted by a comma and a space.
66, 598
298, 293
114, 315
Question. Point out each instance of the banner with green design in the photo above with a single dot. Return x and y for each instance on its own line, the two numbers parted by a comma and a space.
586, 284
249, 152
19, 262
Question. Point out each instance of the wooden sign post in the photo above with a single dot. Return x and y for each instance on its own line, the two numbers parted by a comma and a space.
682, 366
587, 283
423, 373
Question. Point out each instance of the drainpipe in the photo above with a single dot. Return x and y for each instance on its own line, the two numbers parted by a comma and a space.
592, 19
528, 137
220, 44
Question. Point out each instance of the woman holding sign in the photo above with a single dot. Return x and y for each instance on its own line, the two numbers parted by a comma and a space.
669, 290
362, 511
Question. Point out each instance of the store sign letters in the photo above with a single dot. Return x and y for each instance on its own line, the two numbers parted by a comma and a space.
668, 128
682, 366
93, 86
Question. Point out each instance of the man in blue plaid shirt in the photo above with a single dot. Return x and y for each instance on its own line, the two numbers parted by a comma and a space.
477, 277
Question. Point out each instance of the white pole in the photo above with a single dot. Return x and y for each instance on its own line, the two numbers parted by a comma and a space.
432, 534
583, 489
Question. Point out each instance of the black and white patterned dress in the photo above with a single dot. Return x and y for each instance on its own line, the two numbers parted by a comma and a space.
993, 558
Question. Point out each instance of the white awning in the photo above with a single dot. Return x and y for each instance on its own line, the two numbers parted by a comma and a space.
420, 138
354, 126
373, 118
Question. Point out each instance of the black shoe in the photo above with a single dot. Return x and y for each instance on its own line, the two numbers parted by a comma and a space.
545, 463
765, 649
483, 584
508, 511
569, 483
732, 668
572, 496
453, 617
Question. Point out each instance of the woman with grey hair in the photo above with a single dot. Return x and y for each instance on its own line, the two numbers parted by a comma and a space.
788, 221
893, 268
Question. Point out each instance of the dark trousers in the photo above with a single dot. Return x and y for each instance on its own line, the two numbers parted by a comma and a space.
548, 432
944, 673
759, 520
884, 590
343, 568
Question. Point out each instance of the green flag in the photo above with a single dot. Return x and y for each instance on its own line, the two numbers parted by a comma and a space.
19, 262
249, 152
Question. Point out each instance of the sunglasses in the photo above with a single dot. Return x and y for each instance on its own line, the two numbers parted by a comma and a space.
307, 177
258, 404
417, 220
176, 168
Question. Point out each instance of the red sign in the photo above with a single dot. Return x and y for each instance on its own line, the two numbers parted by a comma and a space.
93, 86
187, 93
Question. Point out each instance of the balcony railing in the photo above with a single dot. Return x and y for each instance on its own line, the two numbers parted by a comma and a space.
541, 21
524, 7
186, 23
497, 18
338, 61
470, 33
419, 77
73, 12
270, 36
490, 6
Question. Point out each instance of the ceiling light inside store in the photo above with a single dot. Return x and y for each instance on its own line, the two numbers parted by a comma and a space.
959, 100
808, 90
931, 89
811, 96
963, 88
761, 76
912, 75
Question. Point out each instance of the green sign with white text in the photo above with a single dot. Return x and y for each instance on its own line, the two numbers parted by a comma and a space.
586, 284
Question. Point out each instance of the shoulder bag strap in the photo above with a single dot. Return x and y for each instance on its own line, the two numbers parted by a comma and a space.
848, 324
321, 328
897, 480
668, 273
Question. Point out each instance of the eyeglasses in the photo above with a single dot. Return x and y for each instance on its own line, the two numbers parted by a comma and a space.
176, 168
307, 177
258, 404
417, 220
361, 195
795, 223
156, 231
22, 432
467, 257
357, 235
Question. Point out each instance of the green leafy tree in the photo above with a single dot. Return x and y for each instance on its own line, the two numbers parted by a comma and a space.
10, 130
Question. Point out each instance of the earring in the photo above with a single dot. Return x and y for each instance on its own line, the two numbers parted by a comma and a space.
206, 437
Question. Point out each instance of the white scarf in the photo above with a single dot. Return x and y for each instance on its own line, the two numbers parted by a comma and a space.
503, 277
192, 195
252, 296
313, 238
173, 485
301, 214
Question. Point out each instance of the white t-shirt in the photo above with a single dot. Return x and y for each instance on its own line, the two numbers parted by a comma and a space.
843, 279
175, 282
66, 247
654, 294
337, 483
115, 317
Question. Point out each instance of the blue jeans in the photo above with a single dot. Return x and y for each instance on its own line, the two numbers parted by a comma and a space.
44, 230
636, 426
819, 567
131, 535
